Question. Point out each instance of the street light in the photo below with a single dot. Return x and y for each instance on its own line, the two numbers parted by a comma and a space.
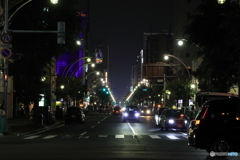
221, 1
166, 57
54, 1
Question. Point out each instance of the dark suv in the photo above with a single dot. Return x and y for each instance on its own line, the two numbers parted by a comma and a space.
216, 126
131, 112
74, 114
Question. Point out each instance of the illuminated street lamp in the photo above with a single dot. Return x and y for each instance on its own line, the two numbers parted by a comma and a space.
166, 57
62, 86
54, 1
221, 1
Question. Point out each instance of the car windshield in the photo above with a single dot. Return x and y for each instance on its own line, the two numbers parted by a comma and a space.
131, 109
173, 113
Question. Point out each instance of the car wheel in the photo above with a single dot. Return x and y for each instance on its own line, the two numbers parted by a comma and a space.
124, 120
220, 145
182, 129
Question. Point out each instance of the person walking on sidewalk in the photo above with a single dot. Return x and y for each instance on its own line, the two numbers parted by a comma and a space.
3, 125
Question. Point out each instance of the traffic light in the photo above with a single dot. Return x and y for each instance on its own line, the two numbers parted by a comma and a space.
104, 89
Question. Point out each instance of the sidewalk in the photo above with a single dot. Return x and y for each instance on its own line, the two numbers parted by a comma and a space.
20, 126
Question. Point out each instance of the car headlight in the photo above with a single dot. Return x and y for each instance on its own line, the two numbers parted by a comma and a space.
171, 121
142, 111
148, 111
125, 114
185, 121
137, 114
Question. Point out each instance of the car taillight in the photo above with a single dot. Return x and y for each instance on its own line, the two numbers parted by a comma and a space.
181, 115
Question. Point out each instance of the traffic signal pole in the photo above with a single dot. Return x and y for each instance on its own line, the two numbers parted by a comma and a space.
6, 62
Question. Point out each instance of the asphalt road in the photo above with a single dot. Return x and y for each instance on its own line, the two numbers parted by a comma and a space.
103, 137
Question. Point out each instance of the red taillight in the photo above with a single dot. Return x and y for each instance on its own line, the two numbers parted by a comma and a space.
205, 113
181, 115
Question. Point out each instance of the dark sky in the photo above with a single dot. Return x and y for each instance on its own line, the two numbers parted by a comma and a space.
123, 23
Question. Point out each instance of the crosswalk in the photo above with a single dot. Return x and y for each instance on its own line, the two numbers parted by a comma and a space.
118, 136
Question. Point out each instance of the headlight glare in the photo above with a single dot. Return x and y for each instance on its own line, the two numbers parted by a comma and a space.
171, 121
125, 114
137, 114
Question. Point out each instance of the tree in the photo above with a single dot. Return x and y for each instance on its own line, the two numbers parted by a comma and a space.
215, 28
38, 49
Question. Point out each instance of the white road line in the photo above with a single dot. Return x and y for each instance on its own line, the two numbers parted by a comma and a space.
31, 137
67, 136
83, 133
103, 136
119, 136
49, 137
133, 131
155, 137
92, 126
172, 137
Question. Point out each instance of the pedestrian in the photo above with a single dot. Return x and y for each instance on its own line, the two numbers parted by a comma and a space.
3, 122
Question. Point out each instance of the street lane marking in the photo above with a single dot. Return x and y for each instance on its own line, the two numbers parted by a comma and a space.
92, 126
103, 136
31, 137
155, 137
119, 136
83, 133
133, 131
172, 137
49, 137
67, 136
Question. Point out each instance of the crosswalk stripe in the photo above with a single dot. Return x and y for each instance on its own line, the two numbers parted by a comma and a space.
119, 136
172, 137
155, 137
49, 137
31, 137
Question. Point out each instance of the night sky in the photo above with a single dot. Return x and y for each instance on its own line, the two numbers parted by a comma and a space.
123, 23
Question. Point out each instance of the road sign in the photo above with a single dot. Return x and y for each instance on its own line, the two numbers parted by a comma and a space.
6, 53
6, 38
6, 45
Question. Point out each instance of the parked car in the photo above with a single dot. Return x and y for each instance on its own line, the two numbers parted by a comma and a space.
131, 112
216, 126
172, 118
158, 114
74, 114
117, 111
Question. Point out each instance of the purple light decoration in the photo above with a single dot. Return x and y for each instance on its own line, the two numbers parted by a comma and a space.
68, 64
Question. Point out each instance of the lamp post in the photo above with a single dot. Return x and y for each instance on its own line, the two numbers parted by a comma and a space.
166, 56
